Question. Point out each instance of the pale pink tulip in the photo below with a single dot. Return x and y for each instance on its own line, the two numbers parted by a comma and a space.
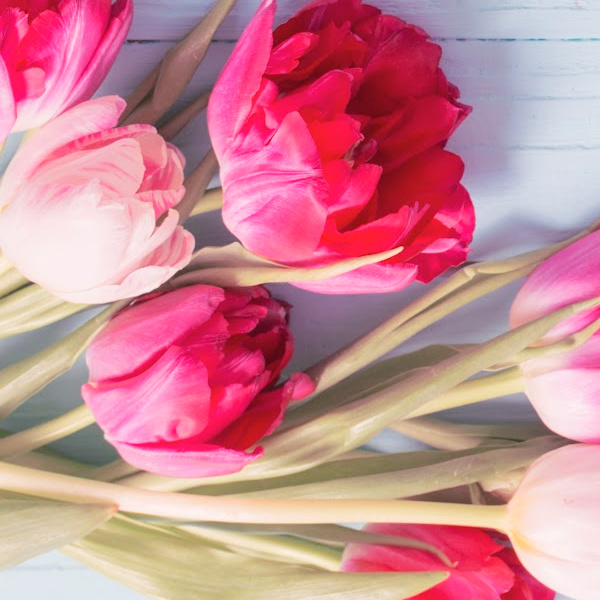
53, 54
184, 383
86, 209
565, 388
553, 521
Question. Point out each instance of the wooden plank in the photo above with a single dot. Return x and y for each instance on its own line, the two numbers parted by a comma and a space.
512, 19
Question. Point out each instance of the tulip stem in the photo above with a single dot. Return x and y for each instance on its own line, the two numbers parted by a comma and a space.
113, 471
286, 548
10, 278
211, 200
447, 435
46, 433
192, 508
476, 390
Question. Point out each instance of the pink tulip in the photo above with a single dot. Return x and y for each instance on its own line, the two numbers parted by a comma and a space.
565, 388
53, 54
183, 383
483, 569
330, 134
553, 520
87, 209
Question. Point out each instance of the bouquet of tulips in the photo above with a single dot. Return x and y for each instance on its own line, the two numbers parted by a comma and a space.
237, 479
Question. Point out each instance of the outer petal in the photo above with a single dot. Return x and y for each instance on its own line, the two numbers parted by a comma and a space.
172, 256
186, 458
274, 197
105, 54
232, 97
86, 118
167, 402
150, 328
526, 587
8, 112
570, 276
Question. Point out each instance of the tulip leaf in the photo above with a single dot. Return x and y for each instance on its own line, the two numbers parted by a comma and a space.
22, 379
31, 527
167, 564
32, 307
233, 265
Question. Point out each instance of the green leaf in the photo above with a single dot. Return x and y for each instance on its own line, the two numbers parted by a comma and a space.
167, 564
31, 527
233, 265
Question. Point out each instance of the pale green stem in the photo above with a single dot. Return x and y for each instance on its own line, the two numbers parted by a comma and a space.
10, 278
211, 200
113, 471
187, 507
469, 392
46, 433
282, 548
447, 435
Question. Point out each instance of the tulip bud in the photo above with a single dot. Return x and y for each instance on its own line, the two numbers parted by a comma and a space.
564, 388
87, 208
183, 383
54, 54
553, 518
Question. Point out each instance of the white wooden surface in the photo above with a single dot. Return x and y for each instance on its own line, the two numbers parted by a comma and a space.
531, 70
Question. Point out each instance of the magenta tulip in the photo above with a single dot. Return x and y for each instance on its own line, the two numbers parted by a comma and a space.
53, 54
330, 134
86, 210
483, 569
184, 383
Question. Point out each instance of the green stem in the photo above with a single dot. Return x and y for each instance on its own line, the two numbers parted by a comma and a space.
286, 548
211, 200
46, 433
113, 471
10, 278
189, 507
447, 435
484, 388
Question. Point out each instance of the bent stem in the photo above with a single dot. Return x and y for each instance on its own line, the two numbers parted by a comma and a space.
46, 433
212, 200
187, 507
472, 391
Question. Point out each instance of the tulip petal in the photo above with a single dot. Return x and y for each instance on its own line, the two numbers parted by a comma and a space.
186, 458
231, 100
86, 118
150, 329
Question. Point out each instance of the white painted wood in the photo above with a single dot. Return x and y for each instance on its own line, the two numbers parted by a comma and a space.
470, 19
531, 149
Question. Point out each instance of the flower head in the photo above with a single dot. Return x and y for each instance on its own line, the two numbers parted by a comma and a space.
330, 134
87, 208
53, 54
183, 383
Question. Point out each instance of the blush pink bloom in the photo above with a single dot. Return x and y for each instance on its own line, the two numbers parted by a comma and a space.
553, 520
330, 134
484, 569
565, 388
86, 210
53, 54
183, 383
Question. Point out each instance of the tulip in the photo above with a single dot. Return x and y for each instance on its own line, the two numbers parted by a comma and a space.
53, 54
330, 132
183, 383
564, 388
483, 569
553, 520
87, 209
